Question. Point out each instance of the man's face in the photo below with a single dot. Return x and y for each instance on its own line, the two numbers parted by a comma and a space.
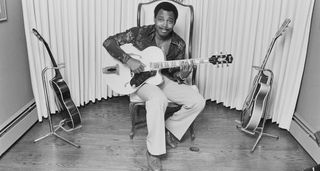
164, 22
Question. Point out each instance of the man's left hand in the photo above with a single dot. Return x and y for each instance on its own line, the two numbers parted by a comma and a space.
185, 69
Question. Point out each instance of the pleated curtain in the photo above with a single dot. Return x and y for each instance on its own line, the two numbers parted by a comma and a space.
76, 29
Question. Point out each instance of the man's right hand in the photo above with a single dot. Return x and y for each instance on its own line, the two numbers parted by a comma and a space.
135, 65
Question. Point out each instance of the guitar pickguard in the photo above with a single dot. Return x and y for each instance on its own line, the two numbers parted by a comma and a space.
140, 78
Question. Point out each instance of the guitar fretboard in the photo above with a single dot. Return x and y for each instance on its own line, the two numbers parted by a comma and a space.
175, 63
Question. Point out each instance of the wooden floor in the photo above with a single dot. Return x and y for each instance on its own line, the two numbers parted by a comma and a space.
105, 145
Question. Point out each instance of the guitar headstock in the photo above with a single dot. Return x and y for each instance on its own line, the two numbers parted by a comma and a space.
283, 27
36, 33
221, 59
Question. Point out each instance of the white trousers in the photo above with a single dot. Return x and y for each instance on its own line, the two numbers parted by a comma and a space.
156, 98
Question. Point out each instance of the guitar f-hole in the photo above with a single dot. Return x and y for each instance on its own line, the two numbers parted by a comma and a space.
111, 69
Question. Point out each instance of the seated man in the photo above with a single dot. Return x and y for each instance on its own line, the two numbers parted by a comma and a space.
160, 34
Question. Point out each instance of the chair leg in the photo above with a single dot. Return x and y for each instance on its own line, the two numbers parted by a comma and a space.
191, 129
133, 112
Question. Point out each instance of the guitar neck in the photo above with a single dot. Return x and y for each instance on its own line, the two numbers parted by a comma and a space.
268, 53
175, 63
57, 72
54, 64
278, 34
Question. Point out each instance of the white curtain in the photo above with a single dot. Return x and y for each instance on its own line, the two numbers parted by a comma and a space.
245, 29
75, 30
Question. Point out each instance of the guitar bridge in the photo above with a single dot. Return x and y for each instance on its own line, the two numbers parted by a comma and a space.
111, 69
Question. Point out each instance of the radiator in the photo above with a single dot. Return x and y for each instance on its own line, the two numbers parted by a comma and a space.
306, 136
20, 122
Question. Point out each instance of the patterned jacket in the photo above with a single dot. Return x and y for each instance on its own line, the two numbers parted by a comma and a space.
141, 38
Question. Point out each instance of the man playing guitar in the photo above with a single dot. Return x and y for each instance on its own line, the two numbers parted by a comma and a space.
160, 34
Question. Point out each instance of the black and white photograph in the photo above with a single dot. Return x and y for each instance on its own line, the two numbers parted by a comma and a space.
159, 85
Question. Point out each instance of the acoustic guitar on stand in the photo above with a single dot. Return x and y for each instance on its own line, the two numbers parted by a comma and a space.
255, 104
62, 92
121, 80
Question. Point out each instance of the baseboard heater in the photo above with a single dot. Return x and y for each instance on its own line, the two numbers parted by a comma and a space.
14, 127
306, 136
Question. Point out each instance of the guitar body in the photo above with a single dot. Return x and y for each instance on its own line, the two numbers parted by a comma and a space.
253, 113
119, 77
62, 92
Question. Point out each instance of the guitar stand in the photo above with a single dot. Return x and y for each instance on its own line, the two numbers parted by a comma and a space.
52, 128
60, 126
259, 129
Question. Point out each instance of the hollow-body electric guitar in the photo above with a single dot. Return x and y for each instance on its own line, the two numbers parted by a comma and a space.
62, 92
255, 104
121, 80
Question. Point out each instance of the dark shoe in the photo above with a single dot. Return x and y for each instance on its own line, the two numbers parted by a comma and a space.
154, 162
170, 140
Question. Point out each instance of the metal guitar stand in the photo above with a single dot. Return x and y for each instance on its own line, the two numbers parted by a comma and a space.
260, 129
53, 128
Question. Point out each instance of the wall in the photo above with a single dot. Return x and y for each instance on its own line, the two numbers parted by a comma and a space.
15, 83
309, 98
307, 109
